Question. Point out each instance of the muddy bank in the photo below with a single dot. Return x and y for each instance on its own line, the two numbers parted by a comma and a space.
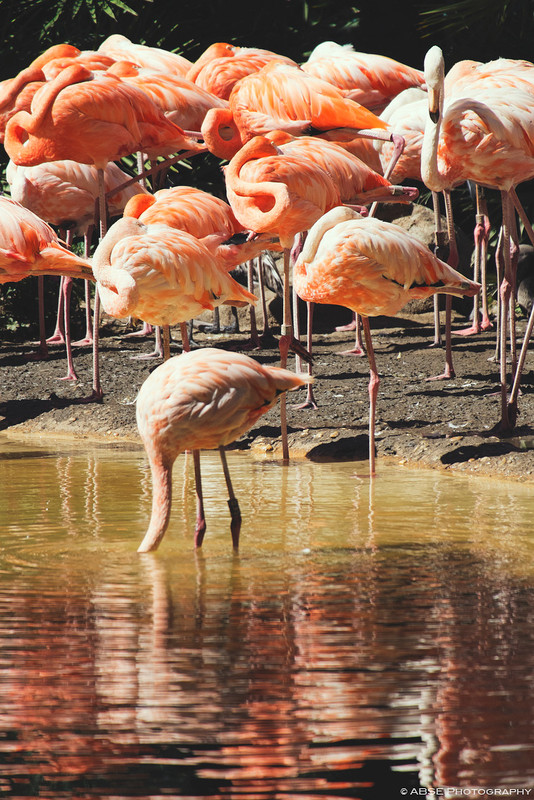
445, 425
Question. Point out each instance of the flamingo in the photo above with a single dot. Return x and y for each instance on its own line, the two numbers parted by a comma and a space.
181, 100
284, 97
221, 65
29, 246
65, 194
482, 131
92, 119
195, 211
201, 399
370, 79
283, 184
163, 275
16, 94
373, 268
121, 48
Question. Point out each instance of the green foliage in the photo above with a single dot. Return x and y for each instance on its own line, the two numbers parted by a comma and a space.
480, 29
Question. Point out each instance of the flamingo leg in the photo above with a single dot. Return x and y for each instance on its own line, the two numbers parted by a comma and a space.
358, 349
233, 503
512, 401
97, 394
310, 399
66, 290
58, 337
42, 350
88, 338
439, 250
374, 383
481, 234
200, 525
452, 260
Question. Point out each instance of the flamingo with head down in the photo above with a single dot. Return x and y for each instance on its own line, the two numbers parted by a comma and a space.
203, 399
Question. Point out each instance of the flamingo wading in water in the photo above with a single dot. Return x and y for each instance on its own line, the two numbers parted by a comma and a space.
201, 400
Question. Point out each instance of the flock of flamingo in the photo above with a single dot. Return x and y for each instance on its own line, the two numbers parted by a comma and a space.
311, 149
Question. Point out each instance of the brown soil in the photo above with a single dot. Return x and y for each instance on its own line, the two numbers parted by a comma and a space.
439, 424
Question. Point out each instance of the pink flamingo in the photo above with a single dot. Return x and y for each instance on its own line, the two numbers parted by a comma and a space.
284, 97
29, 246
203, 399
370, 79
479, 130
221, 65
166, 276
373, 268
121, 48
65, 194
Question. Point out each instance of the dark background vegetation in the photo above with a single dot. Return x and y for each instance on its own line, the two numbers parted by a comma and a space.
476, 29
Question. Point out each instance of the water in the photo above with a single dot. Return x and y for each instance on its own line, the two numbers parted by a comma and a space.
366, 638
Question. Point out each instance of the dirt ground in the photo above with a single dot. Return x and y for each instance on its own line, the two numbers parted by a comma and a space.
445, 425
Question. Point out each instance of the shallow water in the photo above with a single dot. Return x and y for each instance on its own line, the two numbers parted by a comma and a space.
368, 637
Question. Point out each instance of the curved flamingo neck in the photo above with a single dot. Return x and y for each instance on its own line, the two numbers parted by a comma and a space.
161, 503
28, 75
220, 133
273, 196
44, 101
118, 289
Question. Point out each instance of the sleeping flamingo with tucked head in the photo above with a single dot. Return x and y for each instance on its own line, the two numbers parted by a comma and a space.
221, 65
28, 246
284, 97
370, 79
372, 267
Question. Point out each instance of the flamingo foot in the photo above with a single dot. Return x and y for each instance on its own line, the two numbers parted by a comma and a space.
70, 376
147, 356
351, 326
96, 396
446, 375
308, 404
472, 331
56, 338
87, 341
356, 351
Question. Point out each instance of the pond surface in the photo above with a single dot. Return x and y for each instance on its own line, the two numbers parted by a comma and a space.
368, 637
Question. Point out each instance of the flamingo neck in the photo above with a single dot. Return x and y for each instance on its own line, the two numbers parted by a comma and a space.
161, 504
220, 133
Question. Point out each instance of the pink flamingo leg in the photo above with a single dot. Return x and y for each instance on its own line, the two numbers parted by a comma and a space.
358, 349
200, 525
58, 337
481, 236
310, 399
42, 350
452, 262
374, 383
67, 291
233, 503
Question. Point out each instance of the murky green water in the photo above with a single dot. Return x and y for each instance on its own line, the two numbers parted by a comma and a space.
365, 639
